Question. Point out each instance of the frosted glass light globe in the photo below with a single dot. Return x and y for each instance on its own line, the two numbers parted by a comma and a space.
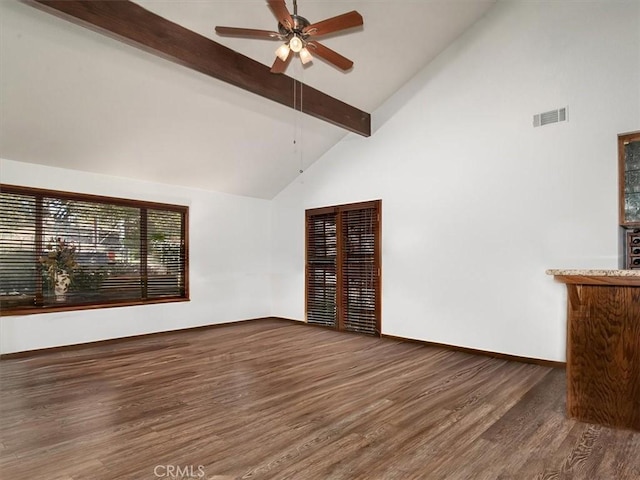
295, 44
283, 52
305, 56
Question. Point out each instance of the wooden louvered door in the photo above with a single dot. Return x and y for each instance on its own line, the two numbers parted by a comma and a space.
359, 270
322, 275
343, 267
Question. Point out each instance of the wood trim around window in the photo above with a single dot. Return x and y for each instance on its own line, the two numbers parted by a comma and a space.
87, 197
182, 285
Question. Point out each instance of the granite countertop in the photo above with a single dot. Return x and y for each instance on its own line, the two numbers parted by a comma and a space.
595, 273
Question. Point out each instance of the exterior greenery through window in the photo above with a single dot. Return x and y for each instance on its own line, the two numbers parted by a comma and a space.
63, 251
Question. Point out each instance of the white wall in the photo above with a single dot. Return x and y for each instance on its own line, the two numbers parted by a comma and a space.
229, 269
476, 202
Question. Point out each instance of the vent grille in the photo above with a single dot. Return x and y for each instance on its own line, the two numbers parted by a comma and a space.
552, 116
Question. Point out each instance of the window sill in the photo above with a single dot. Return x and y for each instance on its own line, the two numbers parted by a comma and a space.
80, 307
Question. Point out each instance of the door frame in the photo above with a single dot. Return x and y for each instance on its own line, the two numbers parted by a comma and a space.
338, 209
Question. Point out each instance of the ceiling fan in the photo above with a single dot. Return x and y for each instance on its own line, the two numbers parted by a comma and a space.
299, 35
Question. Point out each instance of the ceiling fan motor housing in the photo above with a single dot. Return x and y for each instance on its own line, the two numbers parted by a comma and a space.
299, 24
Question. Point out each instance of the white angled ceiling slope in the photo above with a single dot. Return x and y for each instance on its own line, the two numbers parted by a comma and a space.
74, 98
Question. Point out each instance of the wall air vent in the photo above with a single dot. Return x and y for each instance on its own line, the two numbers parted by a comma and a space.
552, 116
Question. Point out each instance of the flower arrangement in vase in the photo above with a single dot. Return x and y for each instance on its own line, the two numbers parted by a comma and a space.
59, 265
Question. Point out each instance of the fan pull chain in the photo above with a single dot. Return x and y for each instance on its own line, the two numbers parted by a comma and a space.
295, 118
297, 140
301, 120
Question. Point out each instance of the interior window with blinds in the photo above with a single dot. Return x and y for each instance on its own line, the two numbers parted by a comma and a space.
63, 250
343, 267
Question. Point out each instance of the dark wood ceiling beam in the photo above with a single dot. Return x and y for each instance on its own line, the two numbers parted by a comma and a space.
134, 25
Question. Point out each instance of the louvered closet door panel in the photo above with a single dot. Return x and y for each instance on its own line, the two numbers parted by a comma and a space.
359, 270
321, 269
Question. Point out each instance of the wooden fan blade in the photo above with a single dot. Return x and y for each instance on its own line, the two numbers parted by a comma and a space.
334, 24
329, 55
279, 9
280, 66
248, 32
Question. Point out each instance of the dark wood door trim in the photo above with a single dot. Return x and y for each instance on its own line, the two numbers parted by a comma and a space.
338, 210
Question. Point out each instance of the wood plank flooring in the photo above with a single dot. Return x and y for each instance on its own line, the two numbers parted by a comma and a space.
278, 400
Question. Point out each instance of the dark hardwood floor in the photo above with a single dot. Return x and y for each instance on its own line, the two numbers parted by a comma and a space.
274, 399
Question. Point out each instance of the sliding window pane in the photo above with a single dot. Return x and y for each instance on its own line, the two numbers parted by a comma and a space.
165, 261
102, 244
18, 275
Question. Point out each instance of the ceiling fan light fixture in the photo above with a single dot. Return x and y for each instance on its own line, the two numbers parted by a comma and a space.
295, 44
299, 35
305, 56
283, 52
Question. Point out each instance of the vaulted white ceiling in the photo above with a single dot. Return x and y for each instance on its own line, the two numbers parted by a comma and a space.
74, 98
